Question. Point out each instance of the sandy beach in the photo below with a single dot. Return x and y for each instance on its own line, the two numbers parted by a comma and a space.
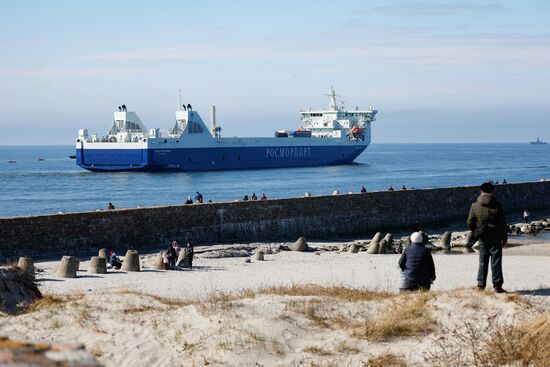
293, 309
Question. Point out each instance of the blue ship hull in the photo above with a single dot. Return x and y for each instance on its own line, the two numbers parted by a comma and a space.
210, 159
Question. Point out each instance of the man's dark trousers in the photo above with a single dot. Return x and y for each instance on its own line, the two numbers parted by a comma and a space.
490, 250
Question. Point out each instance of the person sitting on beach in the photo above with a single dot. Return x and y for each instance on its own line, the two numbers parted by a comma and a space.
189, 200
263, 197
390, 188
110, 206
253, 197
177, 248
363, 189
417, 264
245, 198
403, 187
114, 261
165, 260
198, 198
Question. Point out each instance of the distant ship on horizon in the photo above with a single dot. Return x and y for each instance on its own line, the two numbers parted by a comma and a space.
538, 142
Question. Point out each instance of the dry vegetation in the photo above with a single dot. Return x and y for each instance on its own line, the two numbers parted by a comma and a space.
407, 316
496, 342
387, 359
356, 314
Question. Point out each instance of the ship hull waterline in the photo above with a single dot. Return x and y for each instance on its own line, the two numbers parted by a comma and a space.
215, 159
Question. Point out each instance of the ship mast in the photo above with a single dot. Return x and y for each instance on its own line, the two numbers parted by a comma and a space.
332, 94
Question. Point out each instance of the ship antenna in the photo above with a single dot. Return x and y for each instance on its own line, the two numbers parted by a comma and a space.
179, 100
332, 95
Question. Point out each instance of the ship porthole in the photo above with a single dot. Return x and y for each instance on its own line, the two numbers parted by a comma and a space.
78, 140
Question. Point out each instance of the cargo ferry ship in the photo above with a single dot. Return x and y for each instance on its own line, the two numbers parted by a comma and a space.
327, 137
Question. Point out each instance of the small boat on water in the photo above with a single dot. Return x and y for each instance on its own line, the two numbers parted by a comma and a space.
72, 156
10, 161
40, 159
538, 142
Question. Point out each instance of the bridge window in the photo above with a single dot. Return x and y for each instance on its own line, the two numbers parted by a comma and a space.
194, 128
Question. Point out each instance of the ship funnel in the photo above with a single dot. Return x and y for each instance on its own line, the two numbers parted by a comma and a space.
215, 131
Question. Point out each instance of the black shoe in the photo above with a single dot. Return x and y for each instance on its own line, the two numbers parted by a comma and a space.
499, 289
480, 288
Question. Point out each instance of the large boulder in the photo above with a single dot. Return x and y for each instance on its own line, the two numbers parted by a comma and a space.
353, 248
17, 291
131, 261
300, 245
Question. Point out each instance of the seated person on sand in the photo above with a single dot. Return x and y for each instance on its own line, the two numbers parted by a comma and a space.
417, 264
114, 261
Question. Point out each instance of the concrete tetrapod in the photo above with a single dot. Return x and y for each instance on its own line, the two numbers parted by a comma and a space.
67, 267
382, 245
373, 247
470, 239
183, 259
131, 261
389, 243
103, 253
259, 255
446, 240
353, 248
158, 264
98, 265
26, 265
300, 245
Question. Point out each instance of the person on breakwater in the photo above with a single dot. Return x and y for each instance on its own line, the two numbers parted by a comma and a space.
110, 206
417, 264
488, 223
526, 216
253, 197
263, 197
390, 188
363, 189
189, 200
245, 198
198, 197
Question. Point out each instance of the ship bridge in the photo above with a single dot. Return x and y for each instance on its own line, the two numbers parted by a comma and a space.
338, 122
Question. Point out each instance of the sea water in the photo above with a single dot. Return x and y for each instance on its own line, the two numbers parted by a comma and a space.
32, 186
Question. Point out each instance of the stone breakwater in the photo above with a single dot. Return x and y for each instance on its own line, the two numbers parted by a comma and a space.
271, 220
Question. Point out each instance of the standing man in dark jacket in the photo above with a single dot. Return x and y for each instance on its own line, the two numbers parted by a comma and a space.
486, 220
418, 265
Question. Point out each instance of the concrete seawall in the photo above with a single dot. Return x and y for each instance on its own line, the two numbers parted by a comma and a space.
272, 220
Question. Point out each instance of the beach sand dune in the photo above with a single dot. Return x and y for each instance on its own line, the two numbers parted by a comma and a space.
292, 309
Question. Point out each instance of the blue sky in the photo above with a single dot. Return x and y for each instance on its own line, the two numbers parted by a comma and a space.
438, 71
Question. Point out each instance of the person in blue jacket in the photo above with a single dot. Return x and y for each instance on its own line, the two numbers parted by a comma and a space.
417, 264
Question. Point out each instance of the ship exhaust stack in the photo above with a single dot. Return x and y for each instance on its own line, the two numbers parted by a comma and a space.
215, 129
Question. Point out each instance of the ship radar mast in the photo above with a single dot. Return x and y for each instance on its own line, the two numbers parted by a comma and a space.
332, 94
